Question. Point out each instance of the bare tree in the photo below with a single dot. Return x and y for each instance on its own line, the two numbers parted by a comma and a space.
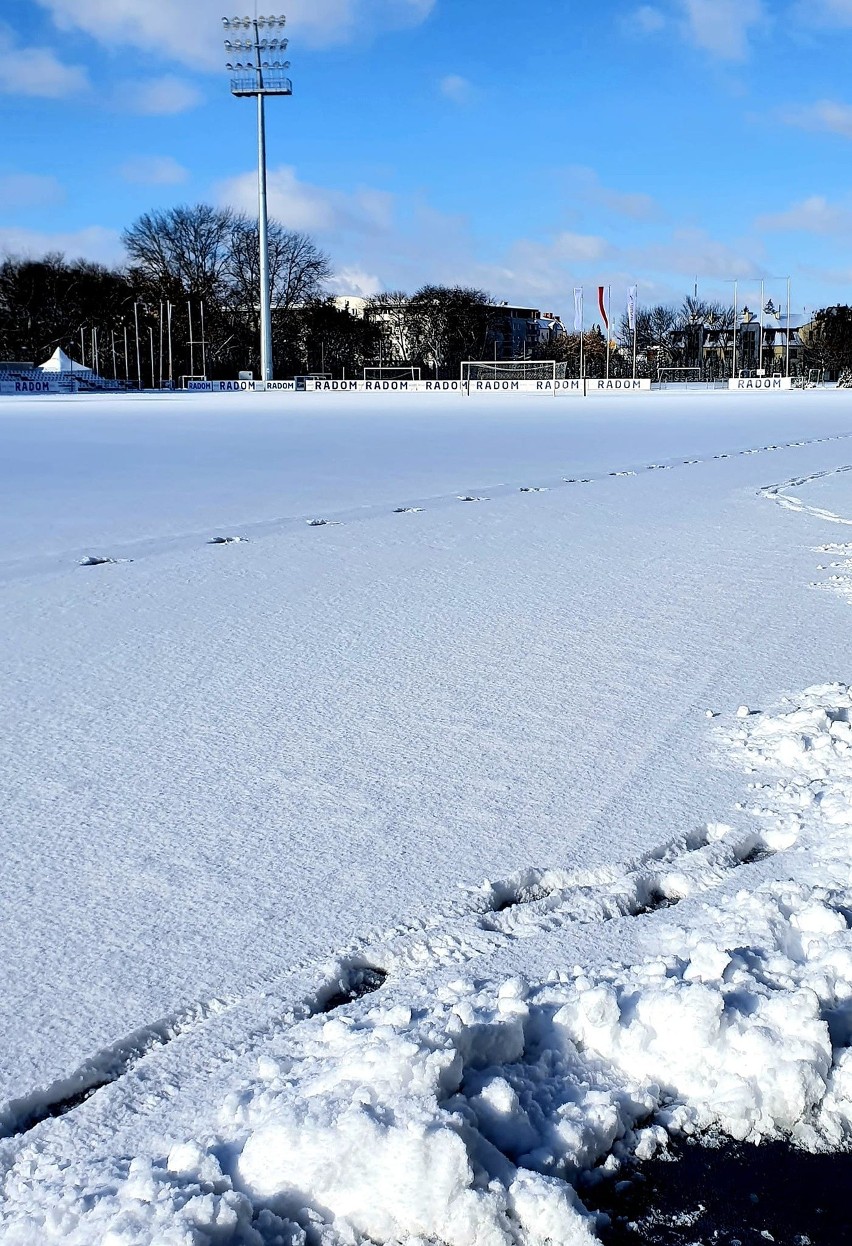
181, 251
391, 312
212, 255
298, 269
449, 324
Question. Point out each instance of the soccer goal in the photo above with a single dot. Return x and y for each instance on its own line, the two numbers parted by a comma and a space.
511, 370
679, 375
388, 372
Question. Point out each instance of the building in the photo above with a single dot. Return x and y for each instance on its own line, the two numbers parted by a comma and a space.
516, 332
522, 332
709, 346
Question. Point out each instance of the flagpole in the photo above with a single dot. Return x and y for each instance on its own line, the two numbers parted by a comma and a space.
760, 356
582, 335
580, 324
608, 326
635, 327
789, 295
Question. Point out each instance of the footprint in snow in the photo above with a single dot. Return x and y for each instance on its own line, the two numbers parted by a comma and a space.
409, 510
468, 497
532, 489
95, 560
349, 986
322, 523
228, 540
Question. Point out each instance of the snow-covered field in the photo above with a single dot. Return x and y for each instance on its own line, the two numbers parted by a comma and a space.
557, 781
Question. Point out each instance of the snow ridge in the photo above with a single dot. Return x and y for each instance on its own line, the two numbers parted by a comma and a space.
466, 1116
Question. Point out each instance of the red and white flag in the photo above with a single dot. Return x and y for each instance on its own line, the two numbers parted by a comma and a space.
602, 305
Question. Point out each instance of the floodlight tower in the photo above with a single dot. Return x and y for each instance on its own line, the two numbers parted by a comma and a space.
258, 77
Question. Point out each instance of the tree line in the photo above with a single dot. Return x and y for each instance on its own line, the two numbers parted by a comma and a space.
186, 303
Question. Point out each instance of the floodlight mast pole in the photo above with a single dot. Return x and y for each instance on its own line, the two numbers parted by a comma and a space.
263, 239
259, 78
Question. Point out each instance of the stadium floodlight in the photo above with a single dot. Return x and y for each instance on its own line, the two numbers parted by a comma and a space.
258, 78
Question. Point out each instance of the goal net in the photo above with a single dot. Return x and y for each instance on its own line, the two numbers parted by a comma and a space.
674, 375
387, 372
512, 370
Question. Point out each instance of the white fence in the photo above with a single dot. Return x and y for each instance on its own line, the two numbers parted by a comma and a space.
760, 384
555, 388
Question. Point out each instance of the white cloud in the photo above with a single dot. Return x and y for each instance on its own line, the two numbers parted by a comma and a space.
158, 97
814, 215
355, 281
189, 31
690, 251
457, 89
29, 190
544, 271
646, 20
587, 188
315, 209
824, 115
570, 248
382, 241
154, 171
722, 27
827, 12
36, 71
92, 243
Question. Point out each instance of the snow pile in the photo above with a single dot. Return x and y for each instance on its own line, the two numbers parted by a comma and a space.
465, 1114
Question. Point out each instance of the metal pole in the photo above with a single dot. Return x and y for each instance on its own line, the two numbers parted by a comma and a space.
126, 357
153, 360
263, 238
82, 346
582, 334
608, 318
161, 344
191, 343
736, 312
760, 357
635, 329
789, 296
138, 352
169, 327
203, 344
114, 364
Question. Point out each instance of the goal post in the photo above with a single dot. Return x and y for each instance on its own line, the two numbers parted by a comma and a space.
681, 374
511, 370
392, 372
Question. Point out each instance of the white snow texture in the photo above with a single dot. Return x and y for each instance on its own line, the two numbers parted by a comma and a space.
551, 855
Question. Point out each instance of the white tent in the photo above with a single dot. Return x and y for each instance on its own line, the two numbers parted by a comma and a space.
60, 362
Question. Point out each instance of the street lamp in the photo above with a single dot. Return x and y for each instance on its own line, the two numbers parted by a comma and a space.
256, 38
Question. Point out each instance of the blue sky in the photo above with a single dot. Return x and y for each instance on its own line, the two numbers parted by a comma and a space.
522, 146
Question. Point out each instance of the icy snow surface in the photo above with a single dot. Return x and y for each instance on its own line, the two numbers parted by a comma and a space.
370, 880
